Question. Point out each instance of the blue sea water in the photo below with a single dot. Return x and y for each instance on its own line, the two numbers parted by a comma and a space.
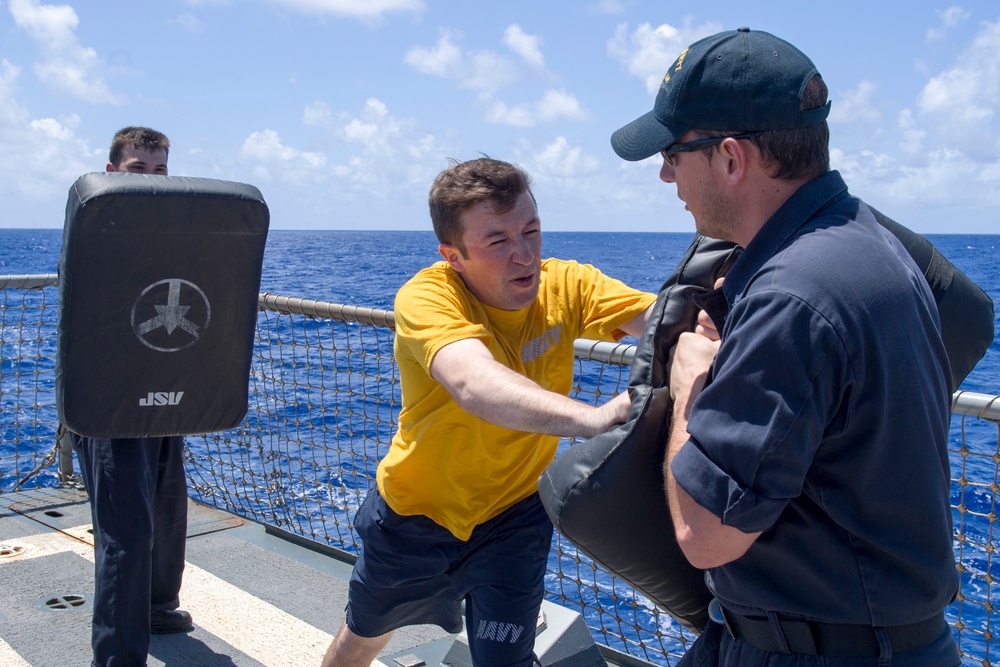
366, 268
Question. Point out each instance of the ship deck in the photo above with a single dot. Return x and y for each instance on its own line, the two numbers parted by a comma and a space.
258, 597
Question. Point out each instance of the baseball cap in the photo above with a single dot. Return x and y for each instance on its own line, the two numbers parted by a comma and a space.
742, 80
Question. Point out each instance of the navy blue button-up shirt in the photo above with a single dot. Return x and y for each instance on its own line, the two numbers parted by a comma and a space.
825, 422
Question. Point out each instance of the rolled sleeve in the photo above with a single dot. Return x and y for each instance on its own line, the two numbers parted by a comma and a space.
754, 430
715, 490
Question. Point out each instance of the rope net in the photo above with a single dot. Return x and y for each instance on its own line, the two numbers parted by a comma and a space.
324, 398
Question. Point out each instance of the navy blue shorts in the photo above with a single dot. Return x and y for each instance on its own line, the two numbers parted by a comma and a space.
412, 571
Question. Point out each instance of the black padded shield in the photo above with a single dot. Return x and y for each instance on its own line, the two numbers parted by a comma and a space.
158, 289
965, 310
606, 495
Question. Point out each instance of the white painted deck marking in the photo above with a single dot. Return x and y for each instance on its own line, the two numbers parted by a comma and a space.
9, 657
258, 629
254, 627
50, 543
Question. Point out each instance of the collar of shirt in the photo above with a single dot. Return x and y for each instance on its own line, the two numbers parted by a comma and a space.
786, 222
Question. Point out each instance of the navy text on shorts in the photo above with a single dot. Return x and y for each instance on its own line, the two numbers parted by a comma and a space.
413, 571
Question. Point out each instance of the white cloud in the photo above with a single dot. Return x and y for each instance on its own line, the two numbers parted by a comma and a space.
483, 71
558, 104
273, 159
554, 105
10, 111
607, 7
520, 115
947, 155
376, 131
865, 166
443, 60
525, 45
67, 65
489, 72
41, 157
559, 159
961, 102
911, 134
54, 129
189, 22
368, 160
647, 52
954, 15
359, 9
854, 106
949, 147
947, 178
386, 155
317, 114
950, 18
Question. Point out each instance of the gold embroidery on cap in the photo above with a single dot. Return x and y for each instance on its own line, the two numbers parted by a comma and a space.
677, 66
680, 60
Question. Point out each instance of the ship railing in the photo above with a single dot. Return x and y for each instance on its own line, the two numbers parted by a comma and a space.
324, 398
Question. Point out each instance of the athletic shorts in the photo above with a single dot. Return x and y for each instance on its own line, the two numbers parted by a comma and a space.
412, 571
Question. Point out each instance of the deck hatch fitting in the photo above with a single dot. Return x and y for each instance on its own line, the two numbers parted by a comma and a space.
67, 602
10, 549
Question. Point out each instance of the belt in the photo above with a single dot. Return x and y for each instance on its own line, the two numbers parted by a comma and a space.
831, 639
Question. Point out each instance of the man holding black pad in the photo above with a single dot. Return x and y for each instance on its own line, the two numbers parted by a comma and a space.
807, 466
138, 498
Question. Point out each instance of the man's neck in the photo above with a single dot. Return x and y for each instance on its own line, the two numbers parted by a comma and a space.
763, 197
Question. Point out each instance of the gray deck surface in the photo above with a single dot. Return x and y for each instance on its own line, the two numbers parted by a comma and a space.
256, 599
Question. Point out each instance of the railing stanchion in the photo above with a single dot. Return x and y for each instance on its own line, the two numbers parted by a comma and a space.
66, 475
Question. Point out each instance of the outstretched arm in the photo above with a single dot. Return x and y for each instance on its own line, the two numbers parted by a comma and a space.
486, 388
637, 324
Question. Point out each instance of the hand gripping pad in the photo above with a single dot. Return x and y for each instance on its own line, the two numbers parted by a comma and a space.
158, 288
606, 495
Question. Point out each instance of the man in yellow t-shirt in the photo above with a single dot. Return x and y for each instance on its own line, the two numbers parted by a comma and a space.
484, 344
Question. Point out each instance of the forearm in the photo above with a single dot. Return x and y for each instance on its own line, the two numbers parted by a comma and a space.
676, 439
506, 398
704, 539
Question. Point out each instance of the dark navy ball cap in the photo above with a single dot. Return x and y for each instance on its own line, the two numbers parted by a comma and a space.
741, 81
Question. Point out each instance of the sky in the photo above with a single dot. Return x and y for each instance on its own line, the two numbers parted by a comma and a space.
343, 111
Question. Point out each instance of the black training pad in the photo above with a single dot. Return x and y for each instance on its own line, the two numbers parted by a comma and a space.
158, 287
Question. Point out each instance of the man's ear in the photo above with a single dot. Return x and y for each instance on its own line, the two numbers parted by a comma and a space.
110, 167
736, 158
452, 255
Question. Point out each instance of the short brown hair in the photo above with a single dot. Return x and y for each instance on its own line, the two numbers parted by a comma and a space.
137, 137
466, 184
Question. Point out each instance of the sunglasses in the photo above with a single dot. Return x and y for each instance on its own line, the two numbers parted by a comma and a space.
698, 144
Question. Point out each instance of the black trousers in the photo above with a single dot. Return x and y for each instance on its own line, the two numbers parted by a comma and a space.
138, 502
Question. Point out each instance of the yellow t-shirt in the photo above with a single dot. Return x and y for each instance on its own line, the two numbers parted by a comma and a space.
450, 465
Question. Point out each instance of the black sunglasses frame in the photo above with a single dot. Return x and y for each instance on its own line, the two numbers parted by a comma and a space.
698, 144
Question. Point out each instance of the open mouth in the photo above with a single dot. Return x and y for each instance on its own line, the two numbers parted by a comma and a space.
524, 281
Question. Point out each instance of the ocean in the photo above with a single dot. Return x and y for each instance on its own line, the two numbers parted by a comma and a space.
365, 268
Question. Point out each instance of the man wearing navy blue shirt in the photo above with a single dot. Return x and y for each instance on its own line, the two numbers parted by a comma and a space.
807, 467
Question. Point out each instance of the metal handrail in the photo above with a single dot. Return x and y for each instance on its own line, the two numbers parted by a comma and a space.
24, 281
983, 406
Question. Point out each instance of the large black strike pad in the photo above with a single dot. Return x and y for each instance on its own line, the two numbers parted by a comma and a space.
158, 288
